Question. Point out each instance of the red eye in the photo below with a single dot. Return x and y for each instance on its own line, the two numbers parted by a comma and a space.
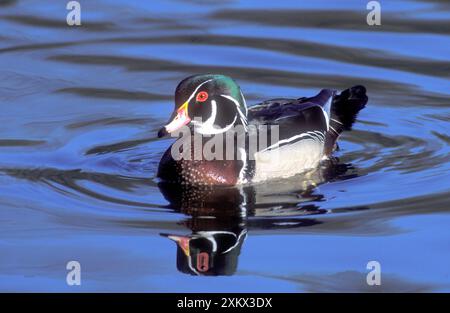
202, 96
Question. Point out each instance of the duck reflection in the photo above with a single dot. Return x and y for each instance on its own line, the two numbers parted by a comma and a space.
220, 217
212, 248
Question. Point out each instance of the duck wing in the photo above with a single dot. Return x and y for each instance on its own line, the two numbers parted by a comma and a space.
327, 112
294, 116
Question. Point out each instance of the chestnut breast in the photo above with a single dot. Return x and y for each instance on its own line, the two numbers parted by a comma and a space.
199, 172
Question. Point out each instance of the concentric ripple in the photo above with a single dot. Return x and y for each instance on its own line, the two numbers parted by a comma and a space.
81, 106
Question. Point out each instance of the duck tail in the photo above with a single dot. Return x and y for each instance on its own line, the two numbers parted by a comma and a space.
344, 109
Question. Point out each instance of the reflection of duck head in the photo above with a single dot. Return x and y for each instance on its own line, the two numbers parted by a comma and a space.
219, 218
213, 247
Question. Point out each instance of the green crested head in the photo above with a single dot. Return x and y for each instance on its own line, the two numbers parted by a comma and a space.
212, 103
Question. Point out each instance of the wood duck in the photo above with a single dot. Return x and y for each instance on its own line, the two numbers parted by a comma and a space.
211, 105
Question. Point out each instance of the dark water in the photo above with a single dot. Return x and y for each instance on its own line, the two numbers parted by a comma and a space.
79, 112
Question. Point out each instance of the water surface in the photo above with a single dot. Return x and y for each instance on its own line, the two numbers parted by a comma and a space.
80, 107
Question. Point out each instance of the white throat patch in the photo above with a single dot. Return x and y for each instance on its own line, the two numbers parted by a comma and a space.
207, 127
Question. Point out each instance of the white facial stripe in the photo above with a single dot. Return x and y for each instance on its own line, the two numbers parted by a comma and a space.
242, 116
196, 89
209, 123
207, 128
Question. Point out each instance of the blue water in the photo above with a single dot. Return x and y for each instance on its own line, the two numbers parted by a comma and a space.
80, 108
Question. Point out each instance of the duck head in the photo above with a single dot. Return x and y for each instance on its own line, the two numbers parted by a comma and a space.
212, 104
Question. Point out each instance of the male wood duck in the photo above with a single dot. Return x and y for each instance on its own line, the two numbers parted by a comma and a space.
308, 129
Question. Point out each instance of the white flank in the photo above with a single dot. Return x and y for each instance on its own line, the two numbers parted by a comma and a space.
288, 160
